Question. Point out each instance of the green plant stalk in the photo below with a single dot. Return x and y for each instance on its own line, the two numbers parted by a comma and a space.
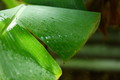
91, 64
10, 3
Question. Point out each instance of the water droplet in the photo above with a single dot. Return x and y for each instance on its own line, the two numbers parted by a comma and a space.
18, 73
31, 71
59, 36
46, 37
47, 41
49, 37
42, 37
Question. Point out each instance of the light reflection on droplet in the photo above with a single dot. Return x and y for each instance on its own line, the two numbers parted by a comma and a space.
49, 37
47, 41
31, 71
42, 37
59, 36
46, 37
18, 73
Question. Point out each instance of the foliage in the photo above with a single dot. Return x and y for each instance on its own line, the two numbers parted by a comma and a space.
24, 30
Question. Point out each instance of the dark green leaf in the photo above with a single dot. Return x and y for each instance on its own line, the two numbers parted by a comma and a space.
73, 4
64, 31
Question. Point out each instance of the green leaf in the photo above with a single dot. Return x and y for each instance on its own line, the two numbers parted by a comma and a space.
64, 31
22, 56
10, 3
73, 4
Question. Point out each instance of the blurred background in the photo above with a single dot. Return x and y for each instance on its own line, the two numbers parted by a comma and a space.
99, 59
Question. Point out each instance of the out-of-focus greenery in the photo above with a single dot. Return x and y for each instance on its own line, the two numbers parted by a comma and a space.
10, 3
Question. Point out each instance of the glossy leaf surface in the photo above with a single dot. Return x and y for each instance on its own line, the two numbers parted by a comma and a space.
64, 31
73, 4
22, 57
